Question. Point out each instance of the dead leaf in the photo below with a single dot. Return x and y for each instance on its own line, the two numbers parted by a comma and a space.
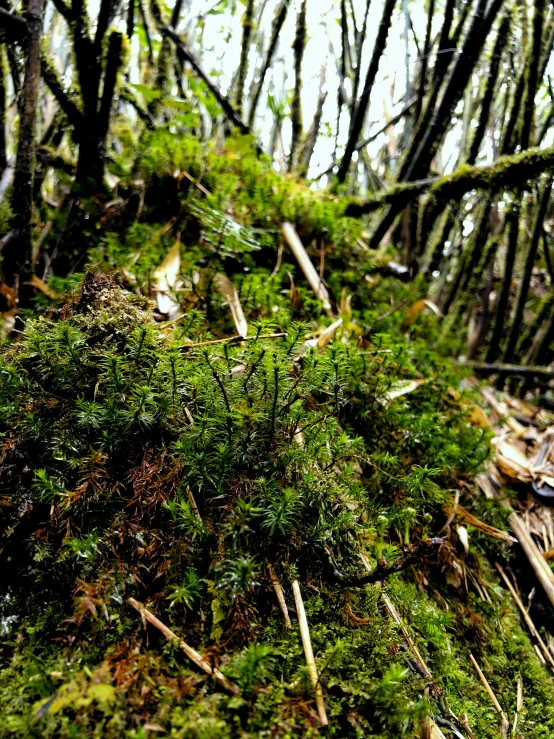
478, 417
43, 287
402, 388
417, 307
464, 537
166, 278
512, 461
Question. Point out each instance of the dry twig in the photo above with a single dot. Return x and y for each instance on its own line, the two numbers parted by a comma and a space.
504, 725
191, 653
308, 652
280, 595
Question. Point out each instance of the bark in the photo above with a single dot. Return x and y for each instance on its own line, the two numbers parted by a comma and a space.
469, 257
462, 70
311, 137
360, 39
17, 264
131, 18
509, 136
94, 128
363, 103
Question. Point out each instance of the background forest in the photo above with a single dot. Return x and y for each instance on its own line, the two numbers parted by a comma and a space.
252, 256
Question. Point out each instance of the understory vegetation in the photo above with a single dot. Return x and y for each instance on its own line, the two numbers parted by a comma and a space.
159, 460
244, 453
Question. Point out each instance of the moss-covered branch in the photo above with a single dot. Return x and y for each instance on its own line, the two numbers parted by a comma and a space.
69, 107
505, 173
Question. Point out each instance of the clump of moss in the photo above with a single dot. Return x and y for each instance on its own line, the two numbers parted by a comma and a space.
133, 464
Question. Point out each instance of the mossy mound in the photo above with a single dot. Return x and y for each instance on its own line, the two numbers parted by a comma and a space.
134, 464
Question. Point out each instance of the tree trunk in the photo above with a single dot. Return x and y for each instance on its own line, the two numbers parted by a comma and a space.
530, 256
363, 103
17, 264
296, 104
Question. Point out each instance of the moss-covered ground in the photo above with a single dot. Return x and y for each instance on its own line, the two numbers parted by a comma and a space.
139, 459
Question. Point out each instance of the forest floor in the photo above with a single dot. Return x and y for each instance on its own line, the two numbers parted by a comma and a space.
244, 492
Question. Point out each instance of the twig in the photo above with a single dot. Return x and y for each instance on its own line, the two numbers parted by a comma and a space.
379, 573
457, 510
531, 626
280, 595
519, 703
536, 560
222, 99
233, 338
514, 369
227, 290
305, 263
308, 652
191, 653
415, 651
503, 720
192, 502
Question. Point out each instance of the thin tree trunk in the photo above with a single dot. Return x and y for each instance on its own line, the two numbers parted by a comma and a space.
296, 105
501, 312
530, 255
490, 89
424, 62
424, 147
532, 65
3, 155
18, 266
360, 46
311, 137
363, 103
278, 20
130, 18
247, 25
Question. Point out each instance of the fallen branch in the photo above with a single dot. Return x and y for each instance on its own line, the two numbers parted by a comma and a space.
191, 653
308, 652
